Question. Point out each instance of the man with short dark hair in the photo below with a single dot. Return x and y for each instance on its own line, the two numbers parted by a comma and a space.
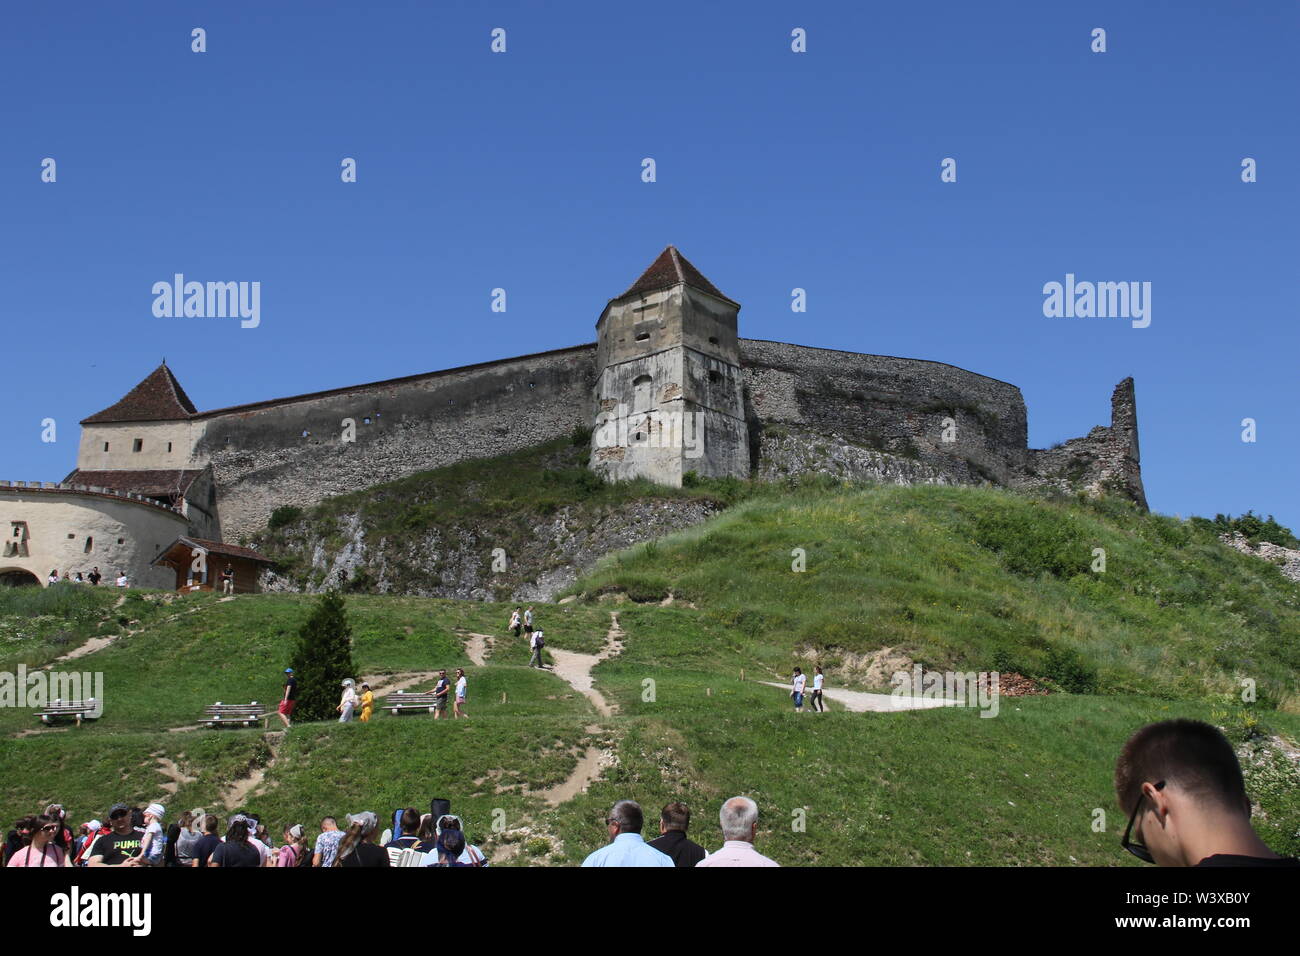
209, 842
1181, 784
674, 820
407, 840
626, 848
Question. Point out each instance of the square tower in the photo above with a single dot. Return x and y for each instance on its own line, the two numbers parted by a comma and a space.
669, 396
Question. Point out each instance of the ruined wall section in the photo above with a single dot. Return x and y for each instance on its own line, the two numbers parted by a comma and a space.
290, 451
1105, 461
892, 406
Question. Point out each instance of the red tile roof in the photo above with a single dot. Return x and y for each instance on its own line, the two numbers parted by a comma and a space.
159, 398
667, 271
154, 482
216, 547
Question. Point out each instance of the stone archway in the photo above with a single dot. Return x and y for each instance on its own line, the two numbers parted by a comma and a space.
18, 578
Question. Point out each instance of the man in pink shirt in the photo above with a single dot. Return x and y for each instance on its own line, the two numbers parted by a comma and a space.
739, 819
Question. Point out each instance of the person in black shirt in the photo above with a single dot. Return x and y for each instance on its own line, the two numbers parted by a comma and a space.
1181, 784
236, 851
355, 849
290, 695
409, 838
673, 822
120, 846
207, 843
94, 577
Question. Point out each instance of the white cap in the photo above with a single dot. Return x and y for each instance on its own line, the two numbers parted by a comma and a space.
156, 809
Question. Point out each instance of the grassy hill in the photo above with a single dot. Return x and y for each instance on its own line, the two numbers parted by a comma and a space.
965, 578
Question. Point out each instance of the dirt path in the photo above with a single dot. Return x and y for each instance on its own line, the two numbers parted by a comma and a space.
860, 701
589, 767
392, 683
477, 646
233, 796
176, 777
576, 668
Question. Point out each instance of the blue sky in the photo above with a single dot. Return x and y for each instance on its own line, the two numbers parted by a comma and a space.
775, 170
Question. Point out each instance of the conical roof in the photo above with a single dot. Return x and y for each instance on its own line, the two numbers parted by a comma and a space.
159, 398
669, 269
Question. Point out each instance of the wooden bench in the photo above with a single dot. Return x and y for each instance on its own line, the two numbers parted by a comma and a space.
400, 702
234, 715
78, 709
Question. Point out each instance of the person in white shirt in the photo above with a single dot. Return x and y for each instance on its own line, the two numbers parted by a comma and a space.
537, 642
121, 579
817, 702
515, 624
739, 820
53, 578
459, 707
349, 701
796, 691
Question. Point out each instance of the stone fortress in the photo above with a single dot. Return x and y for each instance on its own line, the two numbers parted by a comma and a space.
668, 388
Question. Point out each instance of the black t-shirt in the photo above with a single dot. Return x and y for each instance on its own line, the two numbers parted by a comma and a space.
236, 854
1233, 859
203, 849
366, 854
115, 848
292, 684
94, 577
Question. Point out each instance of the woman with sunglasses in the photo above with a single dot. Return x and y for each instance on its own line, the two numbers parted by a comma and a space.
41, 851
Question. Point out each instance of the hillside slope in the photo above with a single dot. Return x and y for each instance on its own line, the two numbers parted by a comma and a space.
944, 576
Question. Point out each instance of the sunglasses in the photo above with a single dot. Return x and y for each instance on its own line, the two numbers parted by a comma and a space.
1137, 849
52, 828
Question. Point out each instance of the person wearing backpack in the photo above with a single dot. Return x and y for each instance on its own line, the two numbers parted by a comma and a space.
537, 643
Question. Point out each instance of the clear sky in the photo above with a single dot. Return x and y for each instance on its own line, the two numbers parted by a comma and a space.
775, 170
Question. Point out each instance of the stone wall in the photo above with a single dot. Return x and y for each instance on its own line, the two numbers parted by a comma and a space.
292, 452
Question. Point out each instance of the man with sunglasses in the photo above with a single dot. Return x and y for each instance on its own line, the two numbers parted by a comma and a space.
121, 846
1181, 784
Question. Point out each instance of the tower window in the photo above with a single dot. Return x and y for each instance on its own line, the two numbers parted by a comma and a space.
72, 534
137, 444
643, 336
90, 545
169, 447
713, 340
366, 420
121, 540
105, 446
714, 377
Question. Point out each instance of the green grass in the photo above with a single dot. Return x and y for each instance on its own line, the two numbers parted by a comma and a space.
967, 578
979, 579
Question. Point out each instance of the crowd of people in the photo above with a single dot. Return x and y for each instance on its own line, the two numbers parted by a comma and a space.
1179, 782
91, 577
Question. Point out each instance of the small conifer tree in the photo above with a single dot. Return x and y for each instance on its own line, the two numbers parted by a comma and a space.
322, 659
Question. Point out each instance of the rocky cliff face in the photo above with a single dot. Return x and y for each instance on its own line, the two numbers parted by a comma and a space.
1287, 560
535, 562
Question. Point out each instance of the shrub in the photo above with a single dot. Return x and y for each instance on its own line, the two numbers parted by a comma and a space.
286, 514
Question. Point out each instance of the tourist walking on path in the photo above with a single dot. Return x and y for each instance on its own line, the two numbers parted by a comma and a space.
289, 697
367, 703
515, 623
796, 689
537, 642
349, 701
528, 620
440, 691
460, 693
818, 704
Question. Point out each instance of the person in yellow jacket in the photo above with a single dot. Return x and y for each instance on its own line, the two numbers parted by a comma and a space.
367, 702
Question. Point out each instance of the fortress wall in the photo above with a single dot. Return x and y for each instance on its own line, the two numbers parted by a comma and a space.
103, 521
120, 438
892, 404
262, 460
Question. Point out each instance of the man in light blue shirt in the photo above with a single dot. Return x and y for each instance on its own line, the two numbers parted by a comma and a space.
626, 848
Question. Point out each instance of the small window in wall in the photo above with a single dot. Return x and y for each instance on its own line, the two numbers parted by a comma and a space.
72, 534
105, 446
643, 336
121, 540
713, 340
169, 448
714, 377
90, 545
16, 545
532, 384
137, 444
366, 420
